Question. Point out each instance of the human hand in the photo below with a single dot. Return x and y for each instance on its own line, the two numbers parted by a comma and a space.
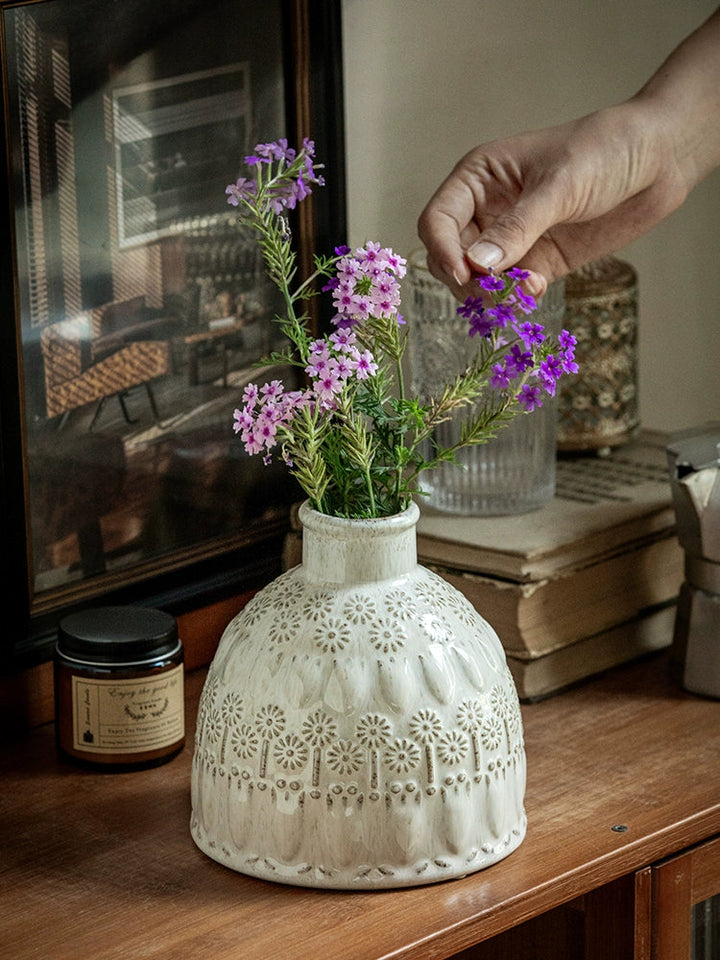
553, 199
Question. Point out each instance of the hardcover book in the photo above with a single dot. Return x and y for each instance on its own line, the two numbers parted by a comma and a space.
602, 506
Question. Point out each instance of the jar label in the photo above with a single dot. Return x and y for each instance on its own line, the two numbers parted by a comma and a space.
128, 716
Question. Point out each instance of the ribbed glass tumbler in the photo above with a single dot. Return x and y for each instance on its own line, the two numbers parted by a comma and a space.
515, 472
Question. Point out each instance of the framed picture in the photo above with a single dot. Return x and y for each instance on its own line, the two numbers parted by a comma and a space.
135, 304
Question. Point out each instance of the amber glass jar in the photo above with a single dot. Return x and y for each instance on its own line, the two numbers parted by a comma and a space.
119, 697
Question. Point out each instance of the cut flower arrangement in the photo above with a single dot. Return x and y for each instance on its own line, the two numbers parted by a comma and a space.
359, 727
351, 436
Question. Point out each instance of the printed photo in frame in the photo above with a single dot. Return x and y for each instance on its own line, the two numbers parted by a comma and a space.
135, 304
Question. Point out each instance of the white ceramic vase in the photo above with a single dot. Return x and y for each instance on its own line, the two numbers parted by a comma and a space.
359, 727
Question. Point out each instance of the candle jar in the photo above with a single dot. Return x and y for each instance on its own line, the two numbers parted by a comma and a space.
598, 407
119, 695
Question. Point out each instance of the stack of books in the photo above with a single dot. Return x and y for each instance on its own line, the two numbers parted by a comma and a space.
586, 583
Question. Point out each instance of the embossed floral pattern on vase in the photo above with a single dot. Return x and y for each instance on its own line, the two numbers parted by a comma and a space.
359, 726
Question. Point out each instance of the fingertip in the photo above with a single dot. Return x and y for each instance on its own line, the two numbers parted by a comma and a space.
451, 274
535, 284
461, 275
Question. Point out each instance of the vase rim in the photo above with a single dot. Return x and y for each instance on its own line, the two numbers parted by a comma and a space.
313, 519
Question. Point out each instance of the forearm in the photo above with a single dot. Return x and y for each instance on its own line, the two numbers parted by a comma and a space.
684, 95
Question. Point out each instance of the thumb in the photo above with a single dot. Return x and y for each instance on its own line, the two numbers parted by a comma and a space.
508, 238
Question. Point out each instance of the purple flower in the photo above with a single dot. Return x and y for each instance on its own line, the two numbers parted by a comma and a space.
480, 325
267, 152
265, 432
517, 273
292, 402
343, 298
384, 294
569, 365
518, 359
362, 306
348, 268
529, 397
472, 305
500, 378
501, 314
253, 444
551, 367
531, 333
302, 190
366, 286
526, 303
550, 372
244, 189
285, 196
567, 342
491, 283
281, 150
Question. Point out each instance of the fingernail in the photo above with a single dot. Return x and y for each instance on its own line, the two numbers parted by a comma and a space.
485, 254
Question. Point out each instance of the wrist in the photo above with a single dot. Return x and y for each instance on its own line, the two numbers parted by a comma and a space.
683, 100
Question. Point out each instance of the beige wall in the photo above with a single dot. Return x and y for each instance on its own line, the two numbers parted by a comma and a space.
426, 80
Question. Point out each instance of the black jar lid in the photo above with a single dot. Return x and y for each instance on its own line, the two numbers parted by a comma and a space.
120, 635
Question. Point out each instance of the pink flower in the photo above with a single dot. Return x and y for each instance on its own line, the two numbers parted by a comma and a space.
343, 339
250, 395
327, 387
366, 366
272, 389
343, 366
318, 366
243, 421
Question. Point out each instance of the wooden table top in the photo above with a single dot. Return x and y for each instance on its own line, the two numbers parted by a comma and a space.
102, 866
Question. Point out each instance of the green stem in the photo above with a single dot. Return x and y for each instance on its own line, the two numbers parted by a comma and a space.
400, 378
311, 279
371, 492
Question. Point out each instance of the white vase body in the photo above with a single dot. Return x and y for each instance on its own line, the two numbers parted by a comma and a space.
359, 727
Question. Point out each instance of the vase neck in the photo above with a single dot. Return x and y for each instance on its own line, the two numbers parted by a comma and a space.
336, 550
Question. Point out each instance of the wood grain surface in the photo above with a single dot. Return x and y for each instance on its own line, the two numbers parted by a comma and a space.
101, 866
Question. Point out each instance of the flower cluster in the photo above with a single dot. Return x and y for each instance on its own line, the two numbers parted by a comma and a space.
287, 176
367, 284
265, 410
335, 365
508, 304
352, 438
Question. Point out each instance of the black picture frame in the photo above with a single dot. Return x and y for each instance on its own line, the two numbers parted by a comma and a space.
92, 46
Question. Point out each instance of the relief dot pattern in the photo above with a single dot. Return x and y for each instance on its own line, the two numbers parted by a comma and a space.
359, 736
